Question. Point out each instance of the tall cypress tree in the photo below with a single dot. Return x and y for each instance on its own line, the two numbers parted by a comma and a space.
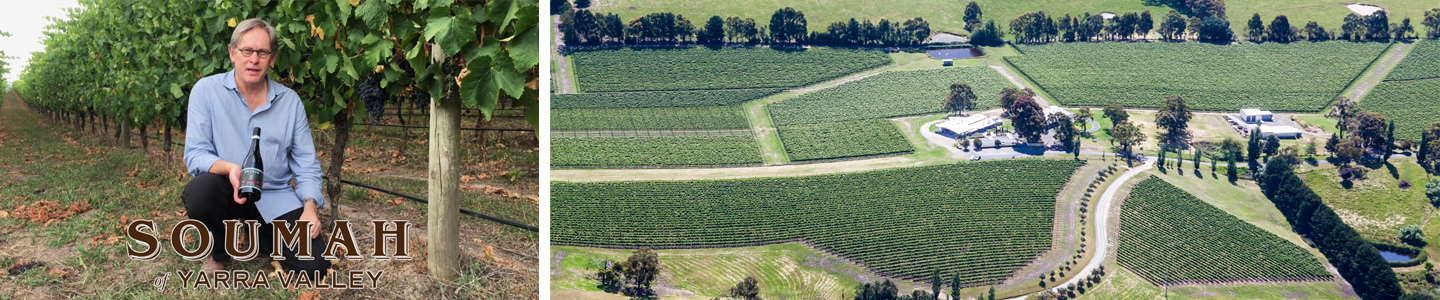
1424, 148
1197, 159
1231, 171
935, 285
1390, 140
1161, 161
1213, 165
1253, 151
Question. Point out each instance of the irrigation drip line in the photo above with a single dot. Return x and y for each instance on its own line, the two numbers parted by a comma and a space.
463, 129
463, 211
463, 117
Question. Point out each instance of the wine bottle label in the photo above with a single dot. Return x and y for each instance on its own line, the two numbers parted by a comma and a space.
250, 178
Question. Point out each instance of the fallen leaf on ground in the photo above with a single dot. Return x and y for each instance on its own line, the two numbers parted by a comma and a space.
311, 295
467, 188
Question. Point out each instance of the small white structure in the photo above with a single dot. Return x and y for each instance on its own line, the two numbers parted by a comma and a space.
1284, 132
1364, 9
1054, 109
1253, 116
947, 62
966, 125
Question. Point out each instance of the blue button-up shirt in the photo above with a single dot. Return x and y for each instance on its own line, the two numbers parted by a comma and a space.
220, 125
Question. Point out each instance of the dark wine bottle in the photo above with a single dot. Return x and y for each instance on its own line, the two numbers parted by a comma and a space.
252, 172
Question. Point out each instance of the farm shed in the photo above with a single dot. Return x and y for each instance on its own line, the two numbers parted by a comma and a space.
1253, 116
1284, 132
958, 127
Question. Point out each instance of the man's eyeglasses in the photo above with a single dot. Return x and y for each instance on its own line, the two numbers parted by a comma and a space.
247, 52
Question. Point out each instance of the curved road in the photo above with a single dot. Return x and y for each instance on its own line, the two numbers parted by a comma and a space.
1102, 217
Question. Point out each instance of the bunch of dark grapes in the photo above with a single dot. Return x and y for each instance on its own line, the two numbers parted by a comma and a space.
422, 101
374, 97
450, 68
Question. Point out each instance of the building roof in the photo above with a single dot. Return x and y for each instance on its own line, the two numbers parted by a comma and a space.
1054, 109
1253, 112
1279, 129
968, 124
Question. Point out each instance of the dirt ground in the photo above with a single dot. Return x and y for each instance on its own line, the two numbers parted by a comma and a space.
80, 251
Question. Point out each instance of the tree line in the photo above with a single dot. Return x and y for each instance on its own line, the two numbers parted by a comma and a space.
786, 26
1355, 258
1037, 27
1375, 26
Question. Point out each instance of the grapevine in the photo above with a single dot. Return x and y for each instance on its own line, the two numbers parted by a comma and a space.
705, 69
1298, 76
1169, 236
983, 219
374, 97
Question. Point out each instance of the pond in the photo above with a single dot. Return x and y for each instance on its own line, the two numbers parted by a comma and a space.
1393, 256
954, 53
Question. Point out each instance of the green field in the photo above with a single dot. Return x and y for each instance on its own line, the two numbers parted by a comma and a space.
785, 271
947, 15
1423, 62
1412, 104
1300, 76
705, 69
842, 139
983, 219
1375, 206
658, 98
707, 117
654, 151
889, 94
1169, 236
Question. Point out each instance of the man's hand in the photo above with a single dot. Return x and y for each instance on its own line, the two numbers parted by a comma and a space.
233, 171
309, 215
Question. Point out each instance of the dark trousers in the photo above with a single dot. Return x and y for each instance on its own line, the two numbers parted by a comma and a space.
209, 198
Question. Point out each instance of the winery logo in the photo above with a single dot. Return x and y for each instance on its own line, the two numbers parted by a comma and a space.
340, 244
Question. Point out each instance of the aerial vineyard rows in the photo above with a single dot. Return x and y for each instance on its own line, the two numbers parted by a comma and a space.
1422, 62
1412, 104
658, 98
1299, 76
1169, 236
982, 219
654, 151
842, 139
709, 117
706, 69
889, 94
